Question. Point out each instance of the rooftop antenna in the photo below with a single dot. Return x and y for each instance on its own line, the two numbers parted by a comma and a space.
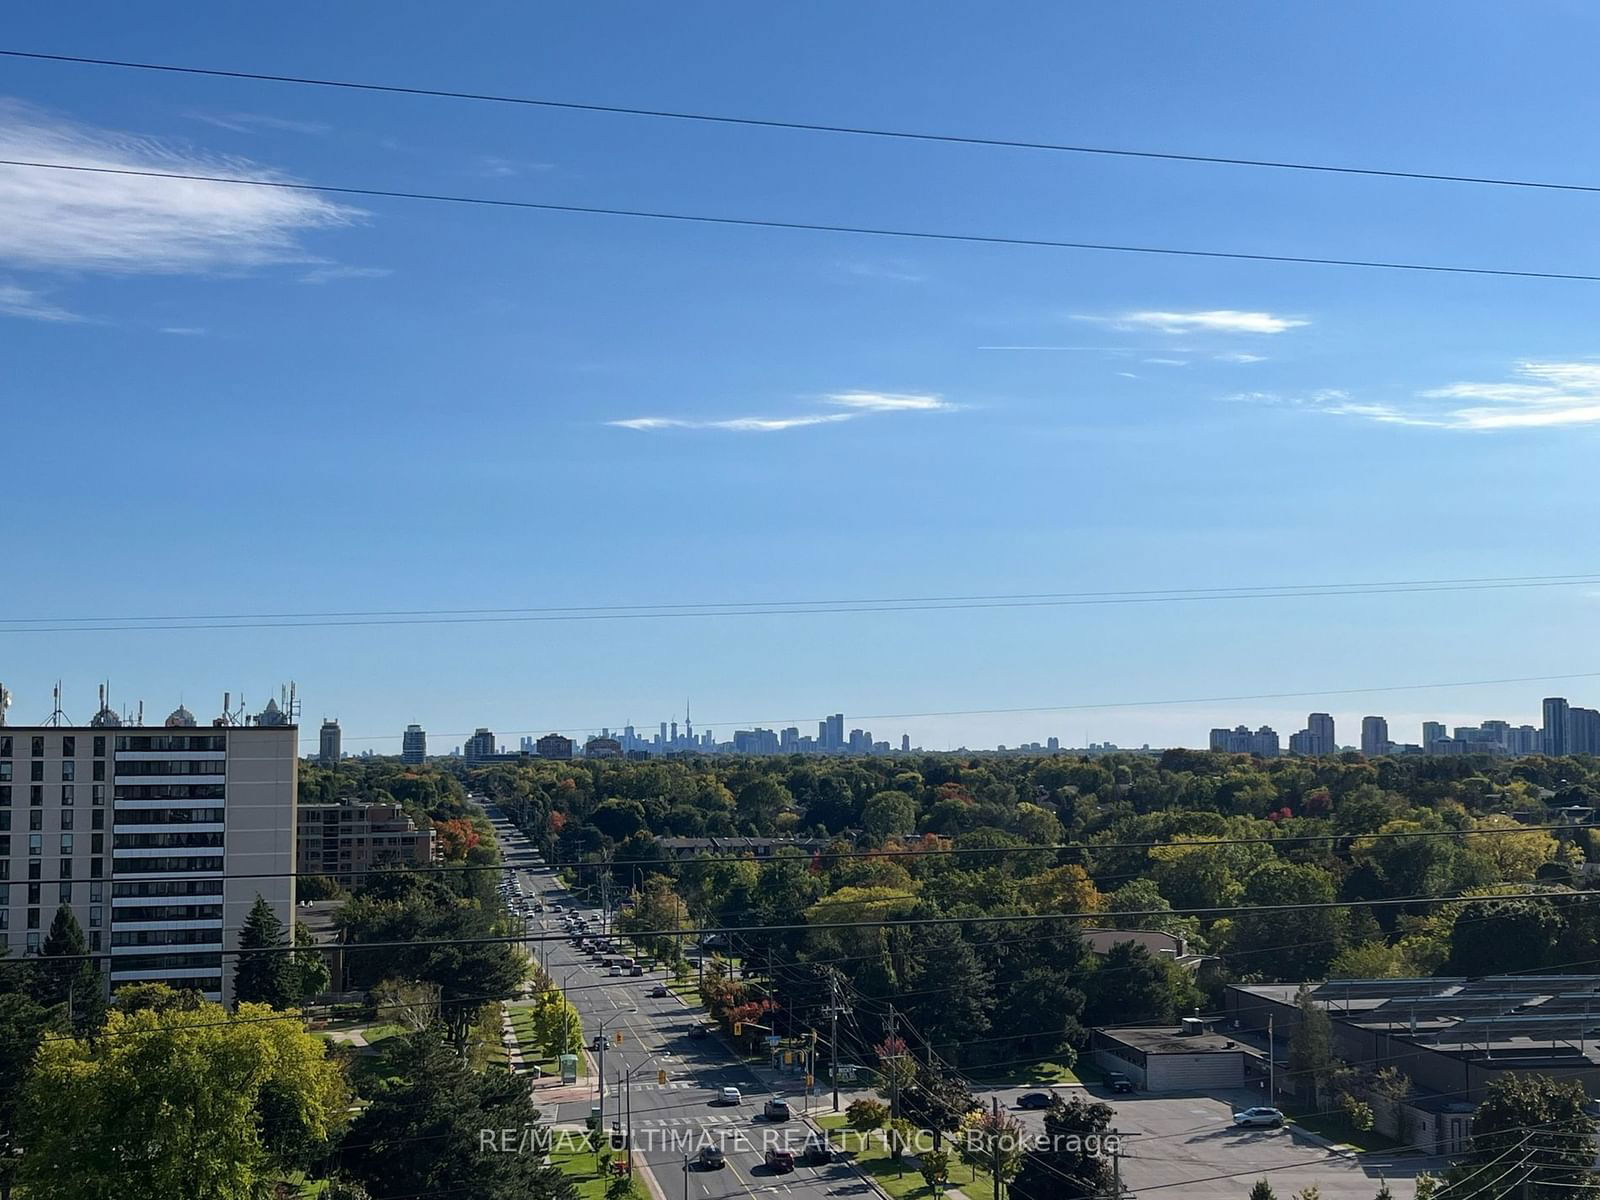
5, 702
140, 721
57, 718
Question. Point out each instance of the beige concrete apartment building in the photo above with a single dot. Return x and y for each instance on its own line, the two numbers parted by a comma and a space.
159, 838
346, 840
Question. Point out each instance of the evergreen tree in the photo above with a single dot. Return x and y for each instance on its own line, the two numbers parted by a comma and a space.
71, 981
1262, 1191
269, 975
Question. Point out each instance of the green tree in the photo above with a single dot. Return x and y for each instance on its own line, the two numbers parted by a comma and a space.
67, 977
1282, 932
1068, 1163
1129, 985
865, 1115
426, 1135
1262, 1190
934, 1166
177, 1102
992, 1141
1311, 1044
265, 974
1559, 1159
23, 1025
888, 813
311, 974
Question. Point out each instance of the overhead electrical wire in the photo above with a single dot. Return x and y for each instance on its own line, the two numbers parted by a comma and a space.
874, 231
758, 608
859, 131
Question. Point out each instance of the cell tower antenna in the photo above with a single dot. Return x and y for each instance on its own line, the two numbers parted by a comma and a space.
57, 717
5, 702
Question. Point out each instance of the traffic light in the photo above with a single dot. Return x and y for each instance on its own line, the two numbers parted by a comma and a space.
809, 1080
738, 1029
661, 1077
619, 1037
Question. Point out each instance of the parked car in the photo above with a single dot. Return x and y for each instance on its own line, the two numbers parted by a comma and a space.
730, 1095
1118, 1082
781, 1161
697, 1031
1034, 1100
776, 1109
710, 1158
1260, 1116
818, 1149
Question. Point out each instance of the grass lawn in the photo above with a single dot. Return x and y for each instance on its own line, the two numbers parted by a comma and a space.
1336, 1129
1021, 1075
578, 1165
900, 1180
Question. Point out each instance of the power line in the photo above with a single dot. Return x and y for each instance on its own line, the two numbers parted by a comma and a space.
824, 856
862, 131
615, 612
806, 927
979, 239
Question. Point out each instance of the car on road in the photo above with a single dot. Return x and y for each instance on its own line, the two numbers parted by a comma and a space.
659, 991
614, 970
1034, 1100
818, 1149
1258, 1117
698, 1031
780, 1161
636, 970
776, 1109
730, 1095
1118, 1082
710, 1158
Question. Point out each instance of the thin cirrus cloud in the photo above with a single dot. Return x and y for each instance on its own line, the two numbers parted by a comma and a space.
19, 301
1213, 320
854, 404
71, 221
1540, 395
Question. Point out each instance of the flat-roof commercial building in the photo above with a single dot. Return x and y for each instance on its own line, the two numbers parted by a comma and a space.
1187, 1059
158, 838
1452, 1037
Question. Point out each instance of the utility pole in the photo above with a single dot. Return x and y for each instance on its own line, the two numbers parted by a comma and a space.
1116, 1167
833, 1034
994, 1140
685, 1175
1272, 1055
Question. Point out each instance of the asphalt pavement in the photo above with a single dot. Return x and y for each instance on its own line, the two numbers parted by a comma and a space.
674, 1119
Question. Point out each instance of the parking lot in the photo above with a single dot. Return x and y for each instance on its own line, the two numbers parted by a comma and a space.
1187, 1146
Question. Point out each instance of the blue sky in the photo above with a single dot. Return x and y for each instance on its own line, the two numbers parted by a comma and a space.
215, 400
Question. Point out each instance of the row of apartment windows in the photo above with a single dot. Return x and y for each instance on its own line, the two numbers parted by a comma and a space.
165, 937
169, 912
155, 962
166, 841
160, 866
69, 745
96, 894
173, 766
36, 845
97, 819
169, 791
33, 947
172, 741
69, 771
97, 867
168, 887
168, 816
69, 794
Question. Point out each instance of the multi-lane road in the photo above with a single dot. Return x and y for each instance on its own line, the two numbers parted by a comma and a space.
672, 1119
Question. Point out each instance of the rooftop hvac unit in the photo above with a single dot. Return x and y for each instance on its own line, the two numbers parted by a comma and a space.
1192, 1027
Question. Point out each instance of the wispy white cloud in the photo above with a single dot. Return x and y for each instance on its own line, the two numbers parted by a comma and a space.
493, 166
890, 402
247, 122
1166, 362
855, 404
892, 272
19, 301
1542, 395
1213, 320
184, 330
68, 220
332, 274
1240, 357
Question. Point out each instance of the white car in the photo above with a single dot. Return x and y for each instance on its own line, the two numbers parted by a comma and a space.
730, 1095
1269, 1118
